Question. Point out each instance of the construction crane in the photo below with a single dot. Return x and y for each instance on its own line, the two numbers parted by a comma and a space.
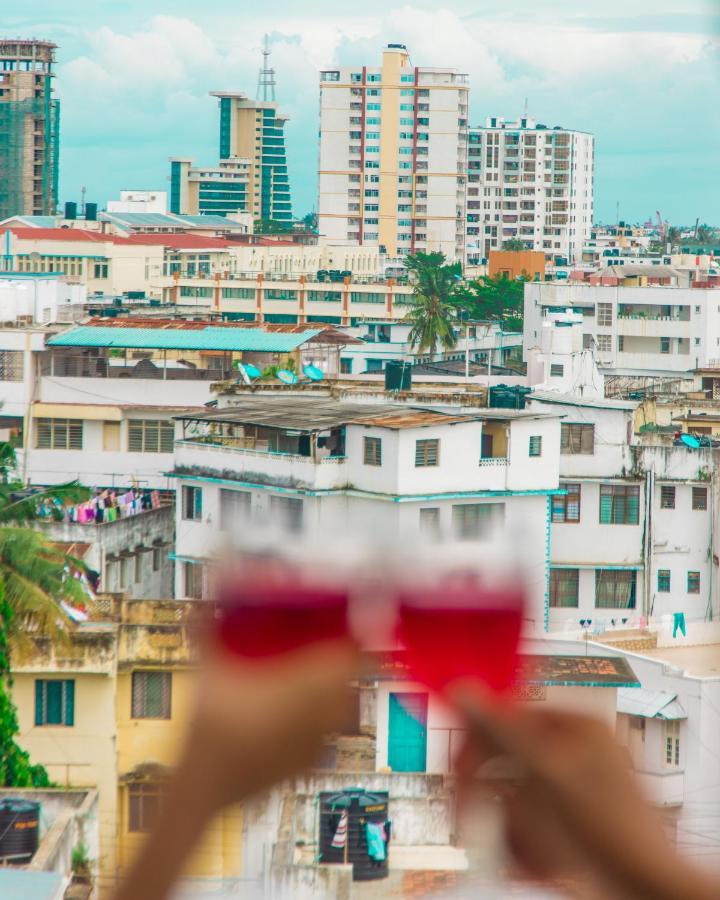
661, 226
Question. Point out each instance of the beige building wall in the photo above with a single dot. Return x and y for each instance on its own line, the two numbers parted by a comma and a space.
393, 63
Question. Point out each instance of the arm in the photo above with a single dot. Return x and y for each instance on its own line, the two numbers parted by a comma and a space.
255, 724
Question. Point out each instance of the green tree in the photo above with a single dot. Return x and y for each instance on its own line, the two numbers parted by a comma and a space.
34, 577
514, 244
672, 237
704, 235
272, 226
437, 294
497, 299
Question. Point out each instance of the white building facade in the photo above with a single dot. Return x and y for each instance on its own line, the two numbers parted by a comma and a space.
647, 330
393, 156
530, 183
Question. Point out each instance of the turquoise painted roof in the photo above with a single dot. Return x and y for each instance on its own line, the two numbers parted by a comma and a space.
210, 338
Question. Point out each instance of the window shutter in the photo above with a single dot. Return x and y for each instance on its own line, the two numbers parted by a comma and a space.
75, 435
138, 694
167, 437
53, 703
633, 506
587, 438
135, 437
573, 502
69, 702
606, 505
39, 702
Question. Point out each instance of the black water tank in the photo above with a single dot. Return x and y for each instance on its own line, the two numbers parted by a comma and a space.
71, 210
91, 212
19, 830
362, 807
398, 375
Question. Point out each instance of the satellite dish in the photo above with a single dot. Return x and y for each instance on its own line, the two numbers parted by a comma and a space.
286, 376
313, 373
248, 372
690, 441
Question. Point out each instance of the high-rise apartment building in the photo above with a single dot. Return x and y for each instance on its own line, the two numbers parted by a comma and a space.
529, 183
251, 175
29, 129
393, 156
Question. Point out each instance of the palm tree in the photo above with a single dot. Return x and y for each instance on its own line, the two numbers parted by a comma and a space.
704, 235
34, 578
673, 236
434, 306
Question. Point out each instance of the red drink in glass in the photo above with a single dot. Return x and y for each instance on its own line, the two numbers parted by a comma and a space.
461, 630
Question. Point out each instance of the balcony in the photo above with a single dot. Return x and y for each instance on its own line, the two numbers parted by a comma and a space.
665, 788
219, 455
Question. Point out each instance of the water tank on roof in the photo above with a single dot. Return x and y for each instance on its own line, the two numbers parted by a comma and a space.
91, 212
504, 396
71, 210
19, 830
398, 375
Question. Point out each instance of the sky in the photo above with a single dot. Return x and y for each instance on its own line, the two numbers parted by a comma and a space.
643, 76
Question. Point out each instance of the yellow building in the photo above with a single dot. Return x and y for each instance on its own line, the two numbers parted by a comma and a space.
109, 710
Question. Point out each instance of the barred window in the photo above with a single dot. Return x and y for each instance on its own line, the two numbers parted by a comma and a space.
151, 695
693, 583
55, 701
59, 434
535, 445
604, 314
372, 451
567, 508
564, 587
191, 502
11, 365
287, 511
472, 521
234, 508
667, 496
615, 588
144, 799
427, 452
194, 577
619, 504
150, 436
699, 498
576, 438
663, 582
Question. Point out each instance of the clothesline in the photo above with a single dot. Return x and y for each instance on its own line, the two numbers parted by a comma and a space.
105, 506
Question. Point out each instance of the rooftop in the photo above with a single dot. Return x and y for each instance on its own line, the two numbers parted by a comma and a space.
631, 270
572, 400
170, 220
698, 660
182, 335
320, 413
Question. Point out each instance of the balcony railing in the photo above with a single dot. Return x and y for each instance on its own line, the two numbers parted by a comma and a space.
494, 461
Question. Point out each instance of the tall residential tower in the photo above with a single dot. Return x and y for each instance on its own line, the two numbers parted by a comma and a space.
530, 183
29, 129
393, 156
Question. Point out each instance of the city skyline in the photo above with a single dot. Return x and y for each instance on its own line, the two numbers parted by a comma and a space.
134, 88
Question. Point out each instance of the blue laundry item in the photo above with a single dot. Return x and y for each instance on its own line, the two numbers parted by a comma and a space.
679, 623
375, 843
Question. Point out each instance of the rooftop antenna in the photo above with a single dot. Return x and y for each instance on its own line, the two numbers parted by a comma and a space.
266, 76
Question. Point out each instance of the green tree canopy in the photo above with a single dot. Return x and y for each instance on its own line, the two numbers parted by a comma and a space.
437, 293
515, 244
496, 299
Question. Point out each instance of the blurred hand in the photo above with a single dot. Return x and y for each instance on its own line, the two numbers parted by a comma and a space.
258, 722
575, 811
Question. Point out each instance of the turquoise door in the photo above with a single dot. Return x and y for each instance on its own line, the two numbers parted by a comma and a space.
407, 732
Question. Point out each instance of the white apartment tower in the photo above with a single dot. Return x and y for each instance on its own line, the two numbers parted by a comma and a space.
530, 183
393, 156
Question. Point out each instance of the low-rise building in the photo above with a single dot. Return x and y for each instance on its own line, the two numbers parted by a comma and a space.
347, 466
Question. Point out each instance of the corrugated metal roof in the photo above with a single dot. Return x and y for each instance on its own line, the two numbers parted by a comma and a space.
170, 220
211, 338
649, 704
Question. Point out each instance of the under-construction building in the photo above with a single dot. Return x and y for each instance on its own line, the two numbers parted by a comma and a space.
29, 129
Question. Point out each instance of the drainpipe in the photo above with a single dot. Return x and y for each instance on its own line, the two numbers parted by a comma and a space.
647, 555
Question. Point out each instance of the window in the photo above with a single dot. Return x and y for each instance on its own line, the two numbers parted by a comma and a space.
234, 508
566, 508
156, 560
667, 496
191, 502
535, 445
604, 343
372, 451
151, 695
123, 575
111, 435
663, 583
693, 583
54, 701
193, 580
138, 567
664, 344
619, 504
144, 799
430, 521
427, 452
289, 510
575, 438
615, 588
150, 436
564, 588
11, 365
604, 314
671, 729
699, 498
557, 370
472, 521
59, 434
